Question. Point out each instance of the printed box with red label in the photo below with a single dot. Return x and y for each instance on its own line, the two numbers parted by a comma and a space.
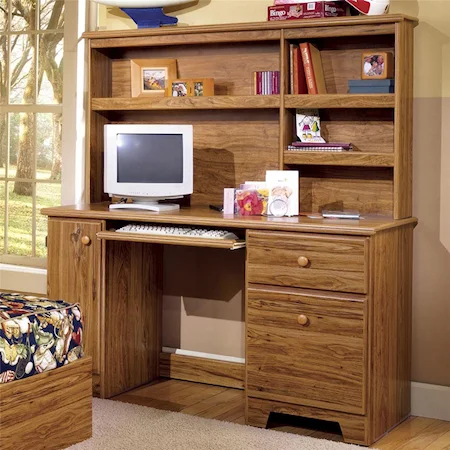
309, 10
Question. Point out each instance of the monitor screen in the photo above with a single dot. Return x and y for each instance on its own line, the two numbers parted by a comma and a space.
149, 158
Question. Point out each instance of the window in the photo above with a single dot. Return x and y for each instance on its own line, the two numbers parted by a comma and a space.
31, 87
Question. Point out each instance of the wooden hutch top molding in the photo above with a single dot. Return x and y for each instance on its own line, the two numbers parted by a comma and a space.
250, 26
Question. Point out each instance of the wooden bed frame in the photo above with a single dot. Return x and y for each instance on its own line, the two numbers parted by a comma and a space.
49, 410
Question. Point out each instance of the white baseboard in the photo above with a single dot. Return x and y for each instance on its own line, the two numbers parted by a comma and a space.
430, 400
23, 279
179, 351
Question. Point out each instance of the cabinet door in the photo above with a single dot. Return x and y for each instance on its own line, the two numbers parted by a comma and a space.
307, 347
74, 274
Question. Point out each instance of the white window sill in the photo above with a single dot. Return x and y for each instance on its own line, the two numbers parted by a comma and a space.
23, 279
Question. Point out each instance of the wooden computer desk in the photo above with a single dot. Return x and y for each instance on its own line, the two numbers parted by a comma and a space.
328, 305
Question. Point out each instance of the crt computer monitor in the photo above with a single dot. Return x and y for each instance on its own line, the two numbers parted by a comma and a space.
147, 163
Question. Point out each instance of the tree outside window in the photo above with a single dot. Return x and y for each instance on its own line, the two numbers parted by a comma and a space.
31, 86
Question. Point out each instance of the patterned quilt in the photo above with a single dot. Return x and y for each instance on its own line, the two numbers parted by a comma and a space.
36, 335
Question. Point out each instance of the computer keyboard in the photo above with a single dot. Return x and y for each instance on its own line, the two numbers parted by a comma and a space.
176, 231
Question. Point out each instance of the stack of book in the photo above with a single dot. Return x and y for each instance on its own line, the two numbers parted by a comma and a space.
386, 86
306, 71
298, 146
266, 82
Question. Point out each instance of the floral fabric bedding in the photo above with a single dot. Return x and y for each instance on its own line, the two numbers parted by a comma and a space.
37, 335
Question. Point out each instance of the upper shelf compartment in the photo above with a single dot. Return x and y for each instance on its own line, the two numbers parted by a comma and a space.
340, 101
186, 103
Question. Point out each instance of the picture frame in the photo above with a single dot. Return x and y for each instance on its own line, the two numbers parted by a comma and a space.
377, 65
149, 77
202, 87
178, 88
190, 87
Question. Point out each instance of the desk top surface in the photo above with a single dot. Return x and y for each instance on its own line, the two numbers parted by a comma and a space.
203, 216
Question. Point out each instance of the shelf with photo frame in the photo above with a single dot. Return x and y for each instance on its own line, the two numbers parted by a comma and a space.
376, 124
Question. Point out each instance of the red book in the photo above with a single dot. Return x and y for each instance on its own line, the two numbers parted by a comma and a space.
302, 88
295, 59
312, 63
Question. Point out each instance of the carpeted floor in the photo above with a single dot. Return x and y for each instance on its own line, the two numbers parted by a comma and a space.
122, 426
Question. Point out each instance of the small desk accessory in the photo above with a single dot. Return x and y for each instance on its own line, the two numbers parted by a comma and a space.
377, 65
371, 86
320, 147
340, 215
190, 87
149, 76
308, 126
283, 192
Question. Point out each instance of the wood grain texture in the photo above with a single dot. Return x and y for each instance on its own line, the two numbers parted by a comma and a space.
305, 23
335, 263
364, 189
132, 322
52, 409
390, 330
230, 244
95, 158
190, 368
191, 39
74, 275
354, 427
340, 101
340, 31
188, 103
321, 363
202, 216
404, 73
339, 158
231, 66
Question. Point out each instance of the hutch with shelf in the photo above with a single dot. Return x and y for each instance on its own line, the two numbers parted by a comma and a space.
328, 303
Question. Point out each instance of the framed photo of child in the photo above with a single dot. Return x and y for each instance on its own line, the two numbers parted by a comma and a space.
149, 76
377, 65
202, 87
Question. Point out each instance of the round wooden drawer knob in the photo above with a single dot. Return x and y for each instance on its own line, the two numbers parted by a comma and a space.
302, 319
86, 240
303, 261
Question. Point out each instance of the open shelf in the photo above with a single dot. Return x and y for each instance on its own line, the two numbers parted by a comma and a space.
228, 244
340, 101
188, 103
340, 158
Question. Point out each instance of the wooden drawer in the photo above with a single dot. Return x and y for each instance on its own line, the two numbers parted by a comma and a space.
307, 347
335, 263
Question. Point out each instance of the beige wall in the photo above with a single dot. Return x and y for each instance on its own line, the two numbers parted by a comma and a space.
215, 325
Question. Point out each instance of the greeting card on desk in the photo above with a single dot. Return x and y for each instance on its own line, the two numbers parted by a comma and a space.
283, 192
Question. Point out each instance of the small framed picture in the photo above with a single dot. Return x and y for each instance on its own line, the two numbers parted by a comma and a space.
377, 65
202, 87
179, 88
149, 76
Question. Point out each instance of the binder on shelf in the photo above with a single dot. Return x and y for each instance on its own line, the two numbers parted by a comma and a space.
312, 62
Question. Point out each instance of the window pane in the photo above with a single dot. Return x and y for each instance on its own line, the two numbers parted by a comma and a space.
3, 68
3, 144
20, 218
3, 15
51, 51
23, 69
46, 195
23, 15
51, 15
2, 217
21, 150
48, 146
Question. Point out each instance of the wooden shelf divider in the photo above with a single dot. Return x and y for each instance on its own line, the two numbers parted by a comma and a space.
340, 158
188, 103
340, 101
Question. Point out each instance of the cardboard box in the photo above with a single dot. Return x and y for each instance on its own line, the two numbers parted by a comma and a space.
310, 10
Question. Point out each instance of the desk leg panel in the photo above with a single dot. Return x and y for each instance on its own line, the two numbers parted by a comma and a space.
132, 316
